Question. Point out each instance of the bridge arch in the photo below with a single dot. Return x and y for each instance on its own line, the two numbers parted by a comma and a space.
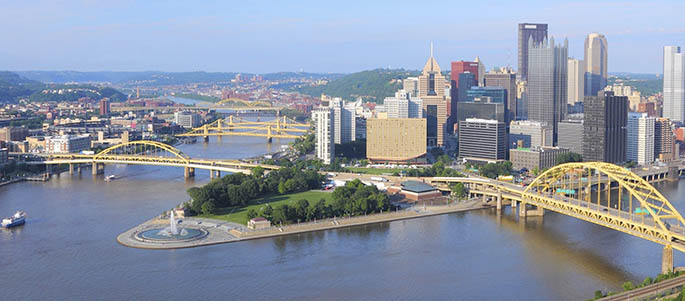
564, 178
147, 146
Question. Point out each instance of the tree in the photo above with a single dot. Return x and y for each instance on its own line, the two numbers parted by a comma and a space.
301, 207
598, 294
208, 207
627, 286
647, 281
458, 190
251, 213
281, 214
281, 188
569, 157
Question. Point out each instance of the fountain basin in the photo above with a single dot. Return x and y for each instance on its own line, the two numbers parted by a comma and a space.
164, 235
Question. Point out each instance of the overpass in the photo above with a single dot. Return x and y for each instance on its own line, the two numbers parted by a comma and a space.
596, 192
144, 152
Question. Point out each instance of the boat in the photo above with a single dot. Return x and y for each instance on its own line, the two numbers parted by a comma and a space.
14, 220
110, 178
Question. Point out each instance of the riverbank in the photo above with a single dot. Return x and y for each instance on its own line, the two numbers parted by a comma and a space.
225, 232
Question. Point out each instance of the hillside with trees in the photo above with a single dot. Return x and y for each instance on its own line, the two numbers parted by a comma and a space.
371, 85
14, 87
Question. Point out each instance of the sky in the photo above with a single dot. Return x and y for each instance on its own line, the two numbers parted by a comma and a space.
319, 36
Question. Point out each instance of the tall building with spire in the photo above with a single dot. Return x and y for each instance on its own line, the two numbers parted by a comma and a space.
595, 63
547, 82
432, 92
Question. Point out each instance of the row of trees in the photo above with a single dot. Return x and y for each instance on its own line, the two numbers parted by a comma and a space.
238, 189
353, 199
493, 170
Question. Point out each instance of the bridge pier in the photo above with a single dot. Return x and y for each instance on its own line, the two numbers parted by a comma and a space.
71, 169
218, 174
513, 203
98, 168
667, 260
522, 210
211, 174
188, 172
539, 211
499, 201
48, 169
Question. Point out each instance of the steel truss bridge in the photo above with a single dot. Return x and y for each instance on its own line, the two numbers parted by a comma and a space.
144, 152
281, 127
601, 193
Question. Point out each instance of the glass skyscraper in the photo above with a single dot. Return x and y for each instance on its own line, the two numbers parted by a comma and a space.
528, 31
674, 83
547, 82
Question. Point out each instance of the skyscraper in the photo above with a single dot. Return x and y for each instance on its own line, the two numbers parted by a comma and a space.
345, 120
458, 68
104, 106
604, 136
480, 75
324, 122
632, 134
674, 83
547, 82
595, 63
663, 140
576, 80
432, 93
645, 140
528, 31
482, 140
504, 78
402, 105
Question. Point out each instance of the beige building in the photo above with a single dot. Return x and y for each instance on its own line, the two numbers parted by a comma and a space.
537, 157
432, 92
395, 139
258, 223
576, 80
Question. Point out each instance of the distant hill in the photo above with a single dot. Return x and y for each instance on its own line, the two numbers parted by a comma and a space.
646, 84
14, 87
372, 85
156, 78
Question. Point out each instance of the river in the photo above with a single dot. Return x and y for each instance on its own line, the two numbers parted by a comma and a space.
68, 250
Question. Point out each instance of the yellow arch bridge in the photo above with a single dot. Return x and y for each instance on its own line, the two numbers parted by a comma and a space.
281, 127
144, 152
597, 192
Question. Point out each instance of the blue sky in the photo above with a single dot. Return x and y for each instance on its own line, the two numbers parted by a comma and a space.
318, 36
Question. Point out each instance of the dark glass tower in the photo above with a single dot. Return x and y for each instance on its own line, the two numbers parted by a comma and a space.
536, 32
604, 136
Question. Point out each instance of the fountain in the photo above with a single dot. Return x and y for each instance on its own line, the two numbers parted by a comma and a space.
171, 233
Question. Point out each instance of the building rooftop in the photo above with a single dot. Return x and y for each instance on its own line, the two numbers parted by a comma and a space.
416, 186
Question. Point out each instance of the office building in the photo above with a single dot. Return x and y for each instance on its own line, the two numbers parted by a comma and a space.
403, 105
344, 115
11, 133
528, 32
674, 84
465, 82
647, 107
663, 140
432, 93
67, 143
604, 136
634, 97
595, 63
632, 133
576, 81
480, 76
395, 140
504, 78
482, 140
324, 124
535, 158
571, 135
530, 133
521, 100
645, 140
411, 86
482, 108
104, 107
547, 82
187, 119
497, 94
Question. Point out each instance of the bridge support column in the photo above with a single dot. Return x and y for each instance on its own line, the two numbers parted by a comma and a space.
98, 168
522, 210
539, 211
48, 169
218, 173
513, 203
188, 172
499, 201
211, 174
667, 260
71, 169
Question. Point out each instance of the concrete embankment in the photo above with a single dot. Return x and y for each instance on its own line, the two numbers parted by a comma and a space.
224, 232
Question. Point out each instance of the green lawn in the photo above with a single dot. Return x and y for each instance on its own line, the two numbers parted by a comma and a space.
239, 214
376, 171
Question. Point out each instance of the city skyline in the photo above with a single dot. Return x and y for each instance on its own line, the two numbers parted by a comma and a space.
315, 37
